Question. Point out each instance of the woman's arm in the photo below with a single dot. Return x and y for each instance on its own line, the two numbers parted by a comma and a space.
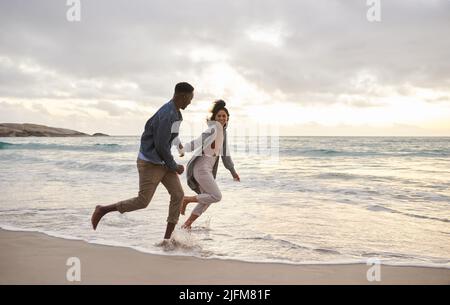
228, 162
205, 139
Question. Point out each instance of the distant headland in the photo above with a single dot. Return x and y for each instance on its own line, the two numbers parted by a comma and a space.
34, 130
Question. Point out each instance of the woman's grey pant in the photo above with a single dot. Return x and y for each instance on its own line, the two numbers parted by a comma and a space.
209, 191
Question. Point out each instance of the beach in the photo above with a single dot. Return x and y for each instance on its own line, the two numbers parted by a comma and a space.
35, 258
326, 200
332, 205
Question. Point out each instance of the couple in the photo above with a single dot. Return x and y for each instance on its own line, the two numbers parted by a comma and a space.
156, 164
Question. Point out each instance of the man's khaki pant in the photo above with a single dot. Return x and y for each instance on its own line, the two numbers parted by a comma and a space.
150, 175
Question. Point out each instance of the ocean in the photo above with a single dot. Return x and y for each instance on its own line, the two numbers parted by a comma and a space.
323, 200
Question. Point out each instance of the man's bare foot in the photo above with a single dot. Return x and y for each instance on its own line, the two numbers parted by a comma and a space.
186, 201
96, 216
166, 244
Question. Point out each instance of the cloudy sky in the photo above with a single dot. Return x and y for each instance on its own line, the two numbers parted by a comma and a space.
307, 67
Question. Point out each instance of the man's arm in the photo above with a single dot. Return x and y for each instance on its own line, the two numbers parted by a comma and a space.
177, 142
163, 132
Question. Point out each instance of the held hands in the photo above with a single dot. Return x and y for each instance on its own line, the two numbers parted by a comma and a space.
236, 178
180, 150
180, 169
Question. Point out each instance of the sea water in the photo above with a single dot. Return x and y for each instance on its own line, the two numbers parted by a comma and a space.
322, 200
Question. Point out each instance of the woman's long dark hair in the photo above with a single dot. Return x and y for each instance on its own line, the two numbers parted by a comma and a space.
217, 106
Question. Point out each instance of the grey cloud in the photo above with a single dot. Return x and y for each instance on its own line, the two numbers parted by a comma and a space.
113, 110
40, 108
323, 55
16, 113
147, 43
439, 99
78, 119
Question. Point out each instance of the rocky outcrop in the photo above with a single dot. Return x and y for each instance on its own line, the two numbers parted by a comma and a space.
33, 130
98, 134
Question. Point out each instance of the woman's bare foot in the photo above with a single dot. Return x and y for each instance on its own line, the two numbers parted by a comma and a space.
186, 227
97, 215
186, 201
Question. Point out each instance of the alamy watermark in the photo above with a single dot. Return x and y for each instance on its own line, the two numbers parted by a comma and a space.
374, 11
73, 273
252, 139
374, 272
73, 14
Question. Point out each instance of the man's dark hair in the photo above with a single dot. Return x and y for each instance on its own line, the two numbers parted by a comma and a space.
183, 88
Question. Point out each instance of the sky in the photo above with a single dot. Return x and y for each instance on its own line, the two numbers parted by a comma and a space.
306, 68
